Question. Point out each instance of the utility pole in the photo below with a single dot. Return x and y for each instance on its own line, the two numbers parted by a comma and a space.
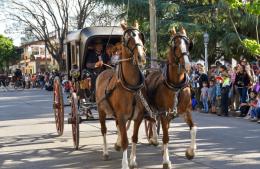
153, 33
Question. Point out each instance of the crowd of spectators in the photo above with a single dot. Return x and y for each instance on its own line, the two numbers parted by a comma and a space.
225, 89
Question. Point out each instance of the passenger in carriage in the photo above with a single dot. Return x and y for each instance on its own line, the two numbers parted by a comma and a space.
95, 57
94, 63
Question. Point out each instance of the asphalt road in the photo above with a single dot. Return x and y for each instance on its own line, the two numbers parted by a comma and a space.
28, 140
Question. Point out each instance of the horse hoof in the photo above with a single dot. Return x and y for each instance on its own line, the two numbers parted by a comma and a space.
190, 153
153, 142
167, 165
117, 147
132, 165
105, 157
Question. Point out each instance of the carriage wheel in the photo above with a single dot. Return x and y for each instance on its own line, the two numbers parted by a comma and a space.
58, 106
148, 128
75, 120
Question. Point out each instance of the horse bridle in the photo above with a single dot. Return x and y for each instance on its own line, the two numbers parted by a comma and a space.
174, 47
126, 44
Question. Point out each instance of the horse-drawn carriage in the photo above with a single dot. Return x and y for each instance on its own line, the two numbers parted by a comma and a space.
124, 92
78, 46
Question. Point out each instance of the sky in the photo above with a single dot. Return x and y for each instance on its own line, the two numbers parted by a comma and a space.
4, 22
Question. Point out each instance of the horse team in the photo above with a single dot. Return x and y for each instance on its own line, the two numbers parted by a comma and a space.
121, 92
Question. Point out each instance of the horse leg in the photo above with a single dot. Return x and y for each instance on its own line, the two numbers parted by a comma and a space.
102, 119
137, 124
117, 145
154, 138
165, 127
190, 152
124, 142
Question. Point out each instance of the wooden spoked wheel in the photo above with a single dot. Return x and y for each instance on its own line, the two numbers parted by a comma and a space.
58, 106
75, 120
149, 129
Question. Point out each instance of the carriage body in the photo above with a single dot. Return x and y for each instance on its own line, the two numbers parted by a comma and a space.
78, 46
79, 43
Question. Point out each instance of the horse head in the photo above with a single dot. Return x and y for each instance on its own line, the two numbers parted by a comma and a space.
180, 48
133, 41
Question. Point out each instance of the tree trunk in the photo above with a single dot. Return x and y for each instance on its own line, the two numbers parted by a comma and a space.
153, 34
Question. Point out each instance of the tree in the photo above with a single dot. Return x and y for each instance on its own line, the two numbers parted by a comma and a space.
41, 17
249, 8
6, 51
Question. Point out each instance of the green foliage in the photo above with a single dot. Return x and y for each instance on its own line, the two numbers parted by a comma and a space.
234, 4
6, 51
252, 46
197, 17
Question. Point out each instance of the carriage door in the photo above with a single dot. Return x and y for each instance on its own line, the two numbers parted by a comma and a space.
74, 54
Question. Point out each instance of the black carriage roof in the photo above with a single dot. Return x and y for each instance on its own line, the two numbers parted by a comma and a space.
83, 35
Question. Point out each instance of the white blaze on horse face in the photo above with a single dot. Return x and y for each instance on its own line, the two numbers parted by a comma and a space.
139, 47
193, 133
186, 57
125, 160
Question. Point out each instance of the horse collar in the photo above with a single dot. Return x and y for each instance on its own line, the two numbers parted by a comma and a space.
173, 86
127, 86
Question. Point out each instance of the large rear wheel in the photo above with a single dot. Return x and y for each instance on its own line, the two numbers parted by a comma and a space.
58, 106
75, 120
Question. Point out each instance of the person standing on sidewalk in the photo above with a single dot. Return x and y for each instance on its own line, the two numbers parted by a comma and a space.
225, 91
204, 97
242, 82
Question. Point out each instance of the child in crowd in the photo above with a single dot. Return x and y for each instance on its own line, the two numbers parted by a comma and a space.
204, 96
254, 106
212, 96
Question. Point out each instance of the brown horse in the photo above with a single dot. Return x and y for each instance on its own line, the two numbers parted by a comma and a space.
170, 94
116, 93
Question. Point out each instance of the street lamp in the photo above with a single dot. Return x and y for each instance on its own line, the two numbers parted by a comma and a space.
206, 41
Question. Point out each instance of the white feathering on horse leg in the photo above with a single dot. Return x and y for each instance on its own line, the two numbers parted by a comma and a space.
125, 160
118, 141
105, 151
133, 163
193, 133
166, 158
154, 139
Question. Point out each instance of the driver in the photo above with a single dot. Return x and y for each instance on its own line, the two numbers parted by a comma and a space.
94, 63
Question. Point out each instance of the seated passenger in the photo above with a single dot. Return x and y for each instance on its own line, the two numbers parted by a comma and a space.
95, 57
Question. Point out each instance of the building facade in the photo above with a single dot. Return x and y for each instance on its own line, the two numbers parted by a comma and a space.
35, 58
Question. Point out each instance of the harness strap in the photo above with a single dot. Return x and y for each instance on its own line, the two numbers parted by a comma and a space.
173, 86
146, 105
127, 86
133, 110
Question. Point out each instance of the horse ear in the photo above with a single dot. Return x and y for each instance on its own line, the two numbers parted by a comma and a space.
183, 31
136, 24
173, 31
123, 24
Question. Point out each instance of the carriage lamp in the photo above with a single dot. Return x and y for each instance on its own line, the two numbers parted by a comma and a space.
206, 41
